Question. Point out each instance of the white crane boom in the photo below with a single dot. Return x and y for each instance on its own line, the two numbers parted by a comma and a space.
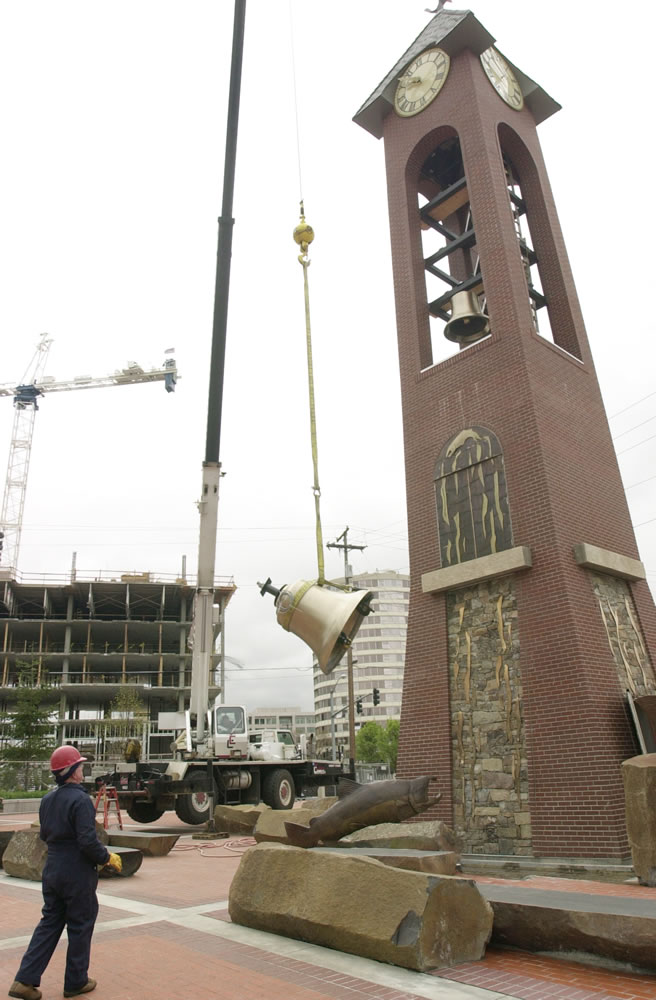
25, 395
125, 376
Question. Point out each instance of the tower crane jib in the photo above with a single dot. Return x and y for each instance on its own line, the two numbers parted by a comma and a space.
25, 395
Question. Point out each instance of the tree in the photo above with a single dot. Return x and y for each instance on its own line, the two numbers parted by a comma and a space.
29, 730
389, 743
367, 743
124, 728
377, 744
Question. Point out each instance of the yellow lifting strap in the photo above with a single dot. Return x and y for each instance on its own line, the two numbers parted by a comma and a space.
303, 236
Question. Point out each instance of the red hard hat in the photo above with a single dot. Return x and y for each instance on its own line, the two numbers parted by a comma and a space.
65, 757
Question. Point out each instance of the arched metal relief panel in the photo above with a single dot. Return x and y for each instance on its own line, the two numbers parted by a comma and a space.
472, 499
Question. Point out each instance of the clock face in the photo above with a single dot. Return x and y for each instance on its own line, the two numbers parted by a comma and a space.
421, 82
502, 78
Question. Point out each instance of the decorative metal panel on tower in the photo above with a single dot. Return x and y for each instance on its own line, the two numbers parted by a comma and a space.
531, 627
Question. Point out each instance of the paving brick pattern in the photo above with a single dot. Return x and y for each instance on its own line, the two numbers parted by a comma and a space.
626, 891
165, 934
535, 977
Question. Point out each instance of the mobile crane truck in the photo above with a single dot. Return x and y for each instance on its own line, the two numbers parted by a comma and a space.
230, 764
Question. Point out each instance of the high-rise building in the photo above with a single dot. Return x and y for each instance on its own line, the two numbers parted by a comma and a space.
378, 662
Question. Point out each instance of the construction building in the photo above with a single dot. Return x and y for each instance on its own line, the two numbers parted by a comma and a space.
87, 640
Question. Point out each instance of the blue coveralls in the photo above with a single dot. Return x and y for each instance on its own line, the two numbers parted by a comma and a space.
68, 826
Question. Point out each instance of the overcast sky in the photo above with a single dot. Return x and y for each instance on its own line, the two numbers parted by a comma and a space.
113, 129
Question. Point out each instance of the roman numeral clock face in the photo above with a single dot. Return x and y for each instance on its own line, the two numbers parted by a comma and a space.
421, 82
502, 78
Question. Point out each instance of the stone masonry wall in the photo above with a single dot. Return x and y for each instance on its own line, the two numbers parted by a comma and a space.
490, 773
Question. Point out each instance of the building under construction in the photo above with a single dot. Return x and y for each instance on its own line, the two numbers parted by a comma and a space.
87, 641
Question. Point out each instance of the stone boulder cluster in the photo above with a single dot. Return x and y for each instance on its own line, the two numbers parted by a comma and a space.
24, 854
393, 891
389, 892
358, 905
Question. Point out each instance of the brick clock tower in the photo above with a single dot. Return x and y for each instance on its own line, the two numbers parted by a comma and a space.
532, 632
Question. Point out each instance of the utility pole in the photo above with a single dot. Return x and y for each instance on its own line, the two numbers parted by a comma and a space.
342, 542
333, 713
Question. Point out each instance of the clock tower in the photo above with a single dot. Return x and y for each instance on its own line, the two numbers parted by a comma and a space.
531, 633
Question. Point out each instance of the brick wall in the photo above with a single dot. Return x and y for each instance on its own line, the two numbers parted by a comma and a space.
564, 487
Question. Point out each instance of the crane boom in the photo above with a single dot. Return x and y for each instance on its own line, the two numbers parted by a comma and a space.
131, 375
203, 610
25, 395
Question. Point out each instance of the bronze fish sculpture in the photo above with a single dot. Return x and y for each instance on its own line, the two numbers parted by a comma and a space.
364, 805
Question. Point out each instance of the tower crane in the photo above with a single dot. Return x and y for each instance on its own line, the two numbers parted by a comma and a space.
33, 385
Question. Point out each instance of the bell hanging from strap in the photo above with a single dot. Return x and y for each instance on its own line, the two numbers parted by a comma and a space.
468, 322
327, 620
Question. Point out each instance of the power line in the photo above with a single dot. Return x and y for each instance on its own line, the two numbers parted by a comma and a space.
637, 444
641, 483
631, 405
651, 519
634, 428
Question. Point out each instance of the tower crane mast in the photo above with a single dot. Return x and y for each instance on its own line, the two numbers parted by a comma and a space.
33, 385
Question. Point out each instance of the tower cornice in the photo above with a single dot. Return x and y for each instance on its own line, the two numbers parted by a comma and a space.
452, 31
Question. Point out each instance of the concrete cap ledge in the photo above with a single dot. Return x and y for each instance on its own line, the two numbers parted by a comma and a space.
476, 570
606, 561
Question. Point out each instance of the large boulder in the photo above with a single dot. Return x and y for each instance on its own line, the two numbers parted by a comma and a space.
433, 862
25, 855
131, 859
152, 845
640, 797
5, 837
238, 819
270, 827
426, 835
101, 832
358, 905
316, 806
618, 928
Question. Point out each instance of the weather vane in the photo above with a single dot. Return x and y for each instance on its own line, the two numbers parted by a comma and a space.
438, 8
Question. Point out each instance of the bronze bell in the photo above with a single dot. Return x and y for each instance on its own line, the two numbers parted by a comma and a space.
327, 620
468, 322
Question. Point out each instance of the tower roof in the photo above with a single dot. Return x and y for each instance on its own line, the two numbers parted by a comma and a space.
453, 31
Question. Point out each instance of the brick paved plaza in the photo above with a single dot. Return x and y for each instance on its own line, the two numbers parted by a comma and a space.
165, 934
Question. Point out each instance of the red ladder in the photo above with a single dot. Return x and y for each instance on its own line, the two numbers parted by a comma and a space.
107, 795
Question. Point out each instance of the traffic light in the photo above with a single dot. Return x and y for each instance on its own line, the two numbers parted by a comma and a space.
358, 706
376, 694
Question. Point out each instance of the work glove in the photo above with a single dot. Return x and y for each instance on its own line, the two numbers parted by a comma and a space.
115, 863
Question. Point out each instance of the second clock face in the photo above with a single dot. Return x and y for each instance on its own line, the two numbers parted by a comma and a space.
421, 82
502, 78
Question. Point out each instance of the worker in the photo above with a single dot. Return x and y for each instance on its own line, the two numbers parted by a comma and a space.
70, 877
225, 724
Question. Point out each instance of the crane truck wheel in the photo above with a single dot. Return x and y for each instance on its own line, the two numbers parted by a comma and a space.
279, 791
194, 808
144, 812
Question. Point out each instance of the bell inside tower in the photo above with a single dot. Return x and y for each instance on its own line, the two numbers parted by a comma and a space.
454, 283
446, 218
